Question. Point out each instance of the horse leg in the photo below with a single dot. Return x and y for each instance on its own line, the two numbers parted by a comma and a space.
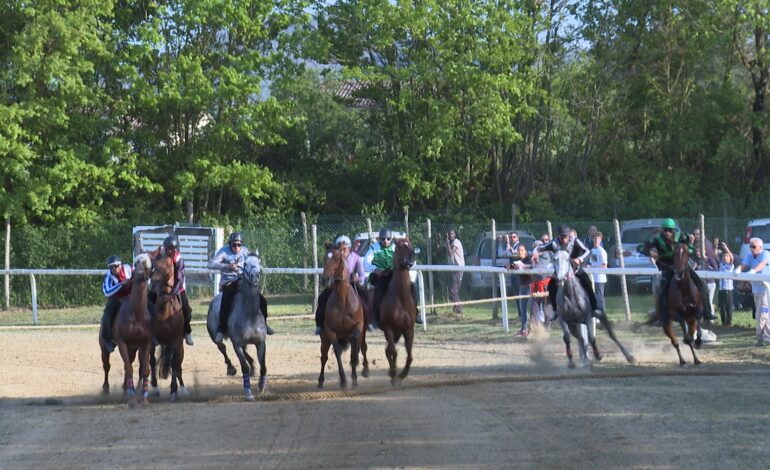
128, 369
408, 342
610, 331
365, 363
230, 367
692, 325
179, 355
153, 372
245, 371
262, 365
251, 362
325, 344
144, 369
391, 354
355, 349
592, 341
577, 332
106, 367
565, 329
670, 333
341, 369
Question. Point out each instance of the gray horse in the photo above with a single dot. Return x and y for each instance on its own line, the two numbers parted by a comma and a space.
574, 310
246, 325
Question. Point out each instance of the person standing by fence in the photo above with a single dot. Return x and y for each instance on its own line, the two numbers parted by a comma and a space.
755, 262
598, 259
456, 256
725, 299
523, 261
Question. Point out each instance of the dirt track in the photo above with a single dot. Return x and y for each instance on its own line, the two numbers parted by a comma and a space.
465, 405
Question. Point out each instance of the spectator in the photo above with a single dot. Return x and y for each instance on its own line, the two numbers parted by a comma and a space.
755, 262
523, 261
598, 259
725, 297
456, 257
540, 308
589, 240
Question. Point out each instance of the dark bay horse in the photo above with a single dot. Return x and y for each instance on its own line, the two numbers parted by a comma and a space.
168, 326
685, 304
574, 310
398, 311
132, 332
245, 325
343, 321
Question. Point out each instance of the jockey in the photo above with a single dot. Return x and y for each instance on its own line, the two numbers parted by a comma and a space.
115, 286
229, 260
578, 253
355, 266
660, 249
383, 272
170, 248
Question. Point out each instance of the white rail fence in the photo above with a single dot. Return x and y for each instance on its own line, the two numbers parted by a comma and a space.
501, 273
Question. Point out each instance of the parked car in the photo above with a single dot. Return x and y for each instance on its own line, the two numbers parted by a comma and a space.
632, 234
759, 228
481, 283
365, 238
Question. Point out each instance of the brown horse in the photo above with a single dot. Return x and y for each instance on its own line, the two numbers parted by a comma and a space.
685, 304
344, 320
168, 325
132, 332
398, 311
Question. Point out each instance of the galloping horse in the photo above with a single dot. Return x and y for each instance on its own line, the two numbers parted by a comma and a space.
343, 321
168, 325
398, 311
132, 332
574, 310
685, 304
245, 325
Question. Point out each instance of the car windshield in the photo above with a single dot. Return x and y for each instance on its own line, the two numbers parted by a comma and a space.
638, 235
761, 231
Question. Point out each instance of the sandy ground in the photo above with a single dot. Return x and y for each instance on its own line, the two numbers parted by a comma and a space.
466, 404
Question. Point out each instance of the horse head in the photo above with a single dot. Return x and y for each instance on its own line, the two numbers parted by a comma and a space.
163, 273
334, 267
142, 265
562, 267
403, 254
252, 268
681, 260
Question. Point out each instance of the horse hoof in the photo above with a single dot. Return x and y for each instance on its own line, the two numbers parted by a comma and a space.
106, 390
365, 373
320, 385
184, 392
249, 394
571, 364
231, 370
698, 343
172, 398
697, 362
631, 359
262, 383
154, 392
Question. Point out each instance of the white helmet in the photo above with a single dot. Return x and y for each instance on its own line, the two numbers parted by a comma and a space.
343, 240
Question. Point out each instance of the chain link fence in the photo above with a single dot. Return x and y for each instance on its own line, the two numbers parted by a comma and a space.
285, 243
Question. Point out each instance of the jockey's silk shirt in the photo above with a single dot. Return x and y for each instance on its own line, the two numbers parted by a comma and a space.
224, 258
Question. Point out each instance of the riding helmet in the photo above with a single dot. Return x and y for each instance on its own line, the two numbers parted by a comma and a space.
343, 240
564, 229
171, 243
385, 233
668, 224
235, 237
113, 260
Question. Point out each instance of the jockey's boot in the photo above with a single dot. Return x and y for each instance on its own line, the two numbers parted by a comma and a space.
188, 339
418, 319
598, 313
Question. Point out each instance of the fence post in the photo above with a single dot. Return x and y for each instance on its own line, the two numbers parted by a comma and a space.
7, 262
430, 261
421, 282
503, 300
406, 221
623, 285
549, 229
304, 249
494, 263
315, 265
702, 247
33, 286
369, 230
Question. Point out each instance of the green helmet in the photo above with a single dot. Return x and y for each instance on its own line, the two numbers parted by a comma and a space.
668, 224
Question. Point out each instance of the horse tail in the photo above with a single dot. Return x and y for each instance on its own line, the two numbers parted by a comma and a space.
344, 344
164, 366
652, 317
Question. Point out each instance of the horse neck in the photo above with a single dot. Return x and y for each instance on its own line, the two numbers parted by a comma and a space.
138, 298
402, 284
250, 295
